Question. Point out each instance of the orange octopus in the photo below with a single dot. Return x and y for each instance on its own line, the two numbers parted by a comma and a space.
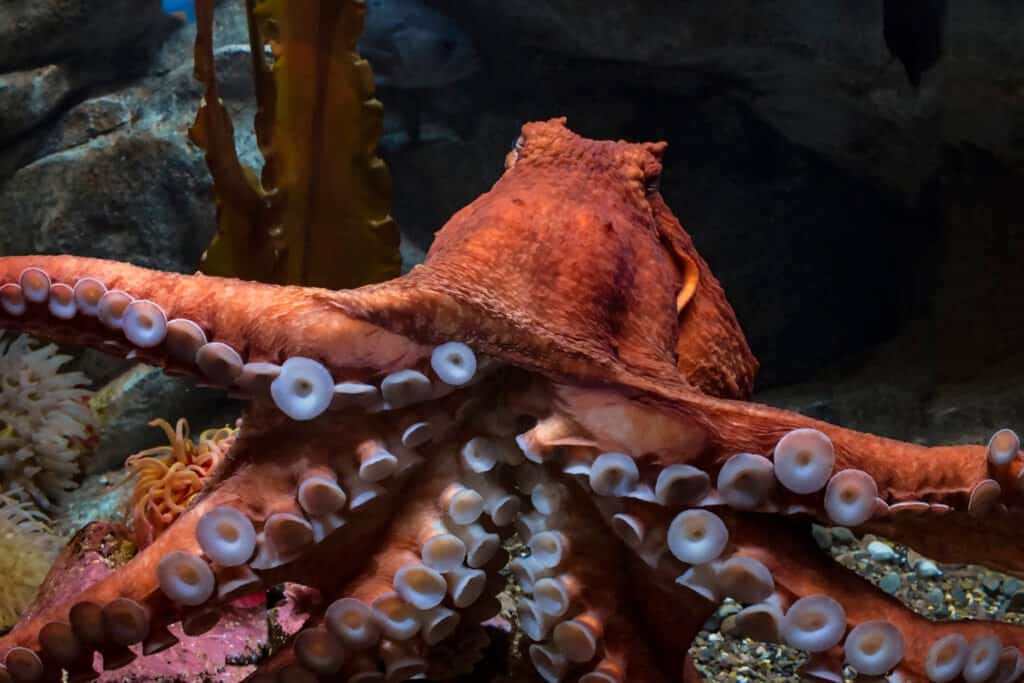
565, 368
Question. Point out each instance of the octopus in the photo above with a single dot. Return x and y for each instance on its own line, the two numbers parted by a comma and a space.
563, 375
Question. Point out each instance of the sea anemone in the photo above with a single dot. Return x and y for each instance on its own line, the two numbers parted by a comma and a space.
45, 420
167, 478
27, 549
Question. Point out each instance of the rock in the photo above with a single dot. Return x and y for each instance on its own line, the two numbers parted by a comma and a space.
101, 199
881, 552
821, 536
890, 583
227, 653
927, 569
843, 535
103, 496
116, 176
935, 598
142, 394
991, 583
92, 554
35, 32
230, 27
27, 98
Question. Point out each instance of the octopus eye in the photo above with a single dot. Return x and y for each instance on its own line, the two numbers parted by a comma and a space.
513, 154
652, 185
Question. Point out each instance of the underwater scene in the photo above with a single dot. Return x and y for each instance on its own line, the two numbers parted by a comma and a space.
580, 341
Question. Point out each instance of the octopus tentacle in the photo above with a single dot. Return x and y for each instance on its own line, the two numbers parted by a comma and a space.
170, 318
800, 570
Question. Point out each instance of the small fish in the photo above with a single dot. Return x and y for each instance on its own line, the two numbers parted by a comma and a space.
410, 45
184, 8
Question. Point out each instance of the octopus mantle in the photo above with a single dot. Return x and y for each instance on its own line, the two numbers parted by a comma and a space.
563, 369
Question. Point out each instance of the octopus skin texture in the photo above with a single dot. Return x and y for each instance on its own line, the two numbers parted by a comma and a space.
563, 368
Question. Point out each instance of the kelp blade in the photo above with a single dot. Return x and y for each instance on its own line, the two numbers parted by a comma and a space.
322, 209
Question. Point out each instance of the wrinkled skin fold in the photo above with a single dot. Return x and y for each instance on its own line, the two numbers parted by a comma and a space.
601, 339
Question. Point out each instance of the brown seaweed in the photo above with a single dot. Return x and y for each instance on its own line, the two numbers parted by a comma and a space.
319, 213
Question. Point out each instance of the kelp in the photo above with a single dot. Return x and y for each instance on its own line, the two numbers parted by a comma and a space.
319, 213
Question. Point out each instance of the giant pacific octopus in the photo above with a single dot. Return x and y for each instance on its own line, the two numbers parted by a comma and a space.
563, 369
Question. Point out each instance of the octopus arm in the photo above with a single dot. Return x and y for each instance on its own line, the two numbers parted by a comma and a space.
167, 319
800, 570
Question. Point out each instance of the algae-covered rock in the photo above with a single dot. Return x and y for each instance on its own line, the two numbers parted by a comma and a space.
126, 406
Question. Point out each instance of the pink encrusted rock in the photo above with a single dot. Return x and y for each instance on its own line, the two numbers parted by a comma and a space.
227, 653
92, 554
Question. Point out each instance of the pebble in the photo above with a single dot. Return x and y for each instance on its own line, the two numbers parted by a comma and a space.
1011, 586
927, 569
991, 583
890, 583
881, 552
821, 536
935, 597
843, 535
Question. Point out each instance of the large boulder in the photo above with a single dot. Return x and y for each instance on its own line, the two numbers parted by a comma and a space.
37, 32
115, 175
